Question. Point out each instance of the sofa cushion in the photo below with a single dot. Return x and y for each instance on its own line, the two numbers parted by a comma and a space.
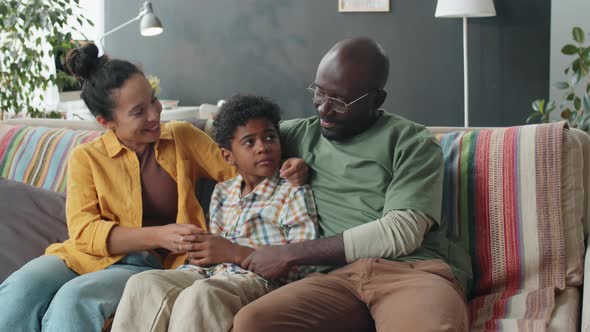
503, 203
39, 155
566, 316
572, 208
31, 219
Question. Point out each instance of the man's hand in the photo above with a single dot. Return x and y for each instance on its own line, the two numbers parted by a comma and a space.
295, 171
172, 236
207, 250
270, 262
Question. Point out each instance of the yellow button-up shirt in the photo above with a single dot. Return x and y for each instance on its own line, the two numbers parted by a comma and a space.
104, 190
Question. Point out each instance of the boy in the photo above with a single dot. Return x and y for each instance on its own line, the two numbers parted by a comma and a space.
256, 208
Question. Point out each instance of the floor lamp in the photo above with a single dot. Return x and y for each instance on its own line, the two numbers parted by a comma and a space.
465, 9
150, 24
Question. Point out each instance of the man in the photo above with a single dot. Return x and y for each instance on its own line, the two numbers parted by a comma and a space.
377, 179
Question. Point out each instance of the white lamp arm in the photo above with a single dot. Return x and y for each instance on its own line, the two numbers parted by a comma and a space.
119, 27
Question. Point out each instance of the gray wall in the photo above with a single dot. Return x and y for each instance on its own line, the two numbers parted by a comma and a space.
213, 48
565, 14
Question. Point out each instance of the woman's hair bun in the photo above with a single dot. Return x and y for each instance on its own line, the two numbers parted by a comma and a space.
82, 62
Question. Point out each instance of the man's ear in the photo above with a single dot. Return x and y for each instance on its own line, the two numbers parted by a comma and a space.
228, 156
104, 122
380, 98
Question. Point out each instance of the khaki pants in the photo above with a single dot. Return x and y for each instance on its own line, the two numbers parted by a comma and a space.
180, 300
363, 296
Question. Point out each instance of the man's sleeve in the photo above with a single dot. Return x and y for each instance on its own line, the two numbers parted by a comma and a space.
417, 182
398, 233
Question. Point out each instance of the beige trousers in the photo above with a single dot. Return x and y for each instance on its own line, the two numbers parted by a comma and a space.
181, 300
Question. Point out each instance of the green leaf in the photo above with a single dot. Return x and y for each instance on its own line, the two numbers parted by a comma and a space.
569, 49
566, 113
588, 88
576, 65
577, 103
575, 78
561, 85
539, 105
570, 97
550, 107
586, 102
533, 118
578, 35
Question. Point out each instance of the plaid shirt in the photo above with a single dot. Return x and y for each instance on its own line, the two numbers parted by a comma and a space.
274, 213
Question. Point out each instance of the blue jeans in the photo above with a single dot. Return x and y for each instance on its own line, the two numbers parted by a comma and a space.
45, 295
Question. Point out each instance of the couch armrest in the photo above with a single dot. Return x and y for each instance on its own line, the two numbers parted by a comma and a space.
586, 292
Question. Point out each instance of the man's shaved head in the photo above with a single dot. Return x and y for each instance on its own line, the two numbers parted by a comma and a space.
356, 70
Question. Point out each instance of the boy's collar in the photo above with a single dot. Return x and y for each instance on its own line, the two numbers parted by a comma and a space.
264, 189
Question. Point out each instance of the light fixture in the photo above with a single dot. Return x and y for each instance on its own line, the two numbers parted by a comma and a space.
150, 25
465, 9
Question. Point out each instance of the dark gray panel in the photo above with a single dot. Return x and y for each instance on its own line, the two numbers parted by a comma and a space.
213, 48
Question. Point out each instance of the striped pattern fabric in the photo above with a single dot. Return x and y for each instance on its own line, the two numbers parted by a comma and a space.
274, 213
37, 155
502, 199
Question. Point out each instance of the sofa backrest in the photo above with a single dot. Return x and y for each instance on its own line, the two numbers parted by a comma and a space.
516, 199
38, 155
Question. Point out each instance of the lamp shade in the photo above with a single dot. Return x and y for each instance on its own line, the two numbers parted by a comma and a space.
465, 8
150, 25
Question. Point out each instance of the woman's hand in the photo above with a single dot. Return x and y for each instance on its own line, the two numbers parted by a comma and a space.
174, 237
295, 171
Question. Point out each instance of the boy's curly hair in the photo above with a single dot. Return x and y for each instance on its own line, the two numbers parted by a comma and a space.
238, 110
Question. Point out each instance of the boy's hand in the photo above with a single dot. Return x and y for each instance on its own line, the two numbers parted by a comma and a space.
295, 171
207, 250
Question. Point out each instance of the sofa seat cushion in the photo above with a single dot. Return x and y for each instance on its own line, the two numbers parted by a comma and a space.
38, 155
31, 219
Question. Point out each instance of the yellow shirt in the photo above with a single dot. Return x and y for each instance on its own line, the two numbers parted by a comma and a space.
104, 190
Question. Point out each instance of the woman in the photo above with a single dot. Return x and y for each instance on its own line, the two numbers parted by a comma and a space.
130, 203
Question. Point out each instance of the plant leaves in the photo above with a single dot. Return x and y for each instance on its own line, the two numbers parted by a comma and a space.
533, 118
539, 105
576, 78
576, 65
586, 102
577, 103
561, 85
578, 35
566, 113
570, 49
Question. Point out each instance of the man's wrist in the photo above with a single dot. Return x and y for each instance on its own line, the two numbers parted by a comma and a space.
240, 253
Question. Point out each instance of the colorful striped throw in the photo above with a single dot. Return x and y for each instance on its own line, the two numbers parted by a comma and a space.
502, 199
39, 155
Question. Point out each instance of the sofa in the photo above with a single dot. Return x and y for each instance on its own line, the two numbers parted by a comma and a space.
517, 199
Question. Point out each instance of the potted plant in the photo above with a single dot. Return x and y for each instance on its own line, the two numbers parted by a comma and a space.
575, 107
25, 27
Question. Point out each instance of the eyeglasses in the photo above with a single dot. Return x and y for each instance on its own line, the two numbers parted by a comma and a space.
338, 105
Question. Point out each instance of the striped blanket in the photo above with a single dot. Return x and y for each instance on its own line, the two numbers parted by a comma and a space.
39, 155
503, 203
